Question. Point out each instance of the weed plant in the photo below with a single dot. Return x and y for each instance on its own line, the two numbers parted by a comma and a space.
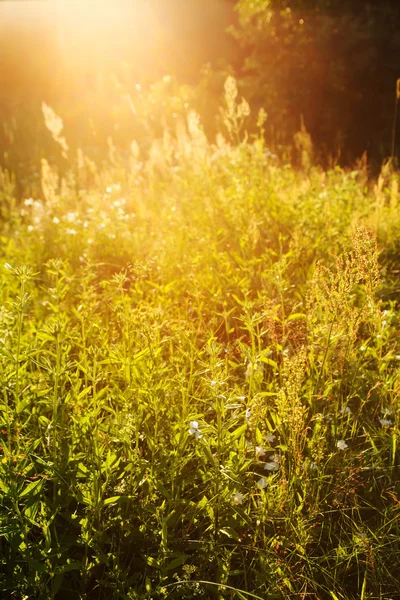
199, 367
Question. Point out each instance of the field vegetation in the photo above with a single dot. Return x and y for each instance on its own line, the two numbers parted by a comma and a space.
199, 369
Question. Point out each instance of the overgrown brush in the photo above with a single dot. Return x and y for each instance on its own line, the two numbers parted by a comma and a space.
199, 373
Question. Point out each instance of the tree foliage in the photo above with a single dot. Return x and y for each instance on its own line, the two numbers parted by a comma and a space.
334, 63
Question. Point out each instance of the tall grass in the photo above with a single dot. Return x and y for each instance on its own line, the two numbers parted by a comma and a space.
199, 367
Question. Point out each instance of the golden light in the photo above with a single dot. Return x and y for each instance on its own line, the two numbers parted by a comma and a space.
98, 16
104, 23
101, 34
55, 48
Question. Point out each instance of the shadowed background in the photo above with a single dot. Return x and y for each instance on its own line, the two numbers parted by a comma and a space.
102, 66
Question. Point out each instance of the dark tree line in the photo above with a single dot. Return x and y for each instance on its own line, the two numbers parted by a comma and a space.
332, 62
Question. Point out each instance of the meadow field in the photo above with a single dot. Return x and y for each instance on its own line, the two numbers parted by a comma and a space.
199, 369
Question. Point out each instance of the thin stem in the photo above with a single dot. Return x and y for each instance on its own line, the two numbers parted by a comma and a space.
19, 334
396, 105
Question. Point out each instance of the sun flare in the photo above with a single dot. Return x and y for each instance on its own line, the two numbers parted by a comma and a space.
101, 31
89, 14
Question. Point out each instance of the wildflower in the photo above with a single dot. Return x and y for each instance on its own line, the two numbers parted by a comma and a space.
213, 383
341, 445
194, 430
271, 466
115, 187
71, 217
70, 231
345, 410
260, 451
248, 413
29, 202
275, 457
7, 266
263, 482
385, 422
56, 220
270, 438
237, 498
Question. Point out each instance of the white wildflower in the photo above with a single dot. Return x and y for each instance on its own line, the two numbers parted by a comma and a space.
385, 422
56, 220
260, 451
247, 415
237, 498
71, 217
275, 457
270, 438
263, 482
194, 430
271, 466
341, 445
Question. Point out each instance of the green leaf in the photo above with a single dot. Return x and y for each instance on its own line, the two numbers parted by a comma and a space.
269, 361
84, 392
296, 316
238, 432
36, 566
111, 500
176, 562
56, 584
393, 448
22, 405
34, 486
259, 437
4, 487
